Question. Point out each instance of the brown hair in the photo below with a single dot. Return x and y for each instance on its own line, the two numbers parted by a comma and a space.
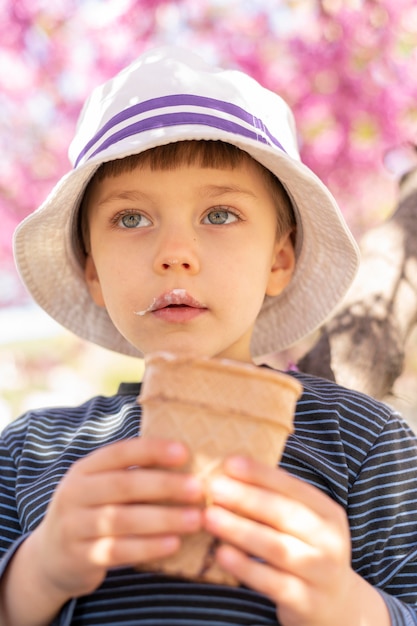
216, 154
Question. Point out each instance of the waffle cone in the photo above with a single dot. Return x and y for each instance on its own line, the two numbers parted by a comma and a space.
218, 408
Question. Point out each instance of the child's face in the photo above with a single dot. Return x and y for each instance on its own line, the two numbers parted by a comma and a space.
201, 239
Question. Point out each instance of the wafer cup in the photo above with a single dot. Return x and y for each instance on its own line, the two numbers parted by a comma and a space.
218, 408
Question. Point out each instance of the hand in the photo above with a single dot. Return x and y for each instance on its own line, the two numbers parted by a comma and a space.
302, 540
117, 506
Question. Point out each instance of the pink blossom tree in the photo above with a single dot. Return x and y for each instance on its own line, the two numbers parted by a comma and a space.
347, 68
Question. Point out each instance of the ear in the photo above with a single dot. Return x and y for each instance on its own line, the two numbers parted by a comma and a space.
282, 267
93, 282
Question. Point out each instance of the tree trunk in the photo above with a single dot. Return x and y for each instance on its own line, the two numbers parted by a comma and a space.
362, 346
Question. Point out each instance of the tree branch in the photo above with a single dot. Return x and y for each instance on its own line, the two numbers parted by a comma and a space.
362, 346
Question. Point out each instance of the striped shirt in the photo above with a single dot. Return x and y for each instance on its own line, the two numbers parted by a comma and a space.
356, 450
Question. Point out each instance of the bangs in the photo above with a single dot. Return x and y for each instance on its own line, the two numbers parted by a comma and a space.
216, 154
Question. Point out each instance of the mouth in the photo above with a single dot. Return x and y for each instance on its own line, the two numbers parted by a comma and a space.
176, 305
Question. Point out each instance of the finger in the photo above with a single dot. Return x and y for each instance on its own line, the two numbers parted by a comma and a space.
298, 508
139, 486
139, 451
281, 551
297, 601
269, 508
119, 521
110, 552
284, 589
277, 479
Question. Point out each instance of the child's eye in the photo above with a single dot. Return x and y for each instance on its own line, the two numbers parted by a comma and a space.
220, 216
131, 220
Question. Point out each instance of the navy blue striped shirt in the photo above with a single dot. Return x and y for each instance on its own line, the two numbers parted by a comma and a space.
356, 450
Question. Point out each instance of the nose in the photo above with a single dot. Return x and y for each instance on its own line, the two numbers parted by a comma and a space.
177, 252
171, 262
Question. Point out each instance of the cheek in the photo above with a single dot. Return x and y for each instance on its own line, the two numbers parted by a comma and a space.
252, 264
115, 285
112, 279
112, 263
243, 278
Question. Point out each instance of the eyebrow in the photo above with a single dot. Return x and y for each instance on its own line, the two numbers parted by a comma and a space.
211, 191
123, 195
219, 190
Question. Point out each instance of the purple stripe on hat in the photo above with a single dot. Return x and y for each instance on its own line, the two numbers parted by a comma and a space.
178, 119
181, 100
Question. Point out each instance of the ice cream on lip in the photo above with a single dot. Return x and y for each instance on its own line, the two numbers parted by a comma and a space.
177, 297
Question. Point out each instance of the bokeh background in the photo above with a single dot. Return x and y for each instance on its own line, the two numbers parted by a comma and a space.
346, 67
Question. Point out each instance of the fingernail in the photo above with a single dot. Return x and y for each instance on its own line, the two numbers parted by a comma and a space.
236, 464
192, 518
175, 450
170, 543
193, 486
220, 486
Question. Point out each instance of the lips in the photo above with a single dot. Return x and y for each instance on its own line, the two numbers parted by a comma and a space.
175, 298
175, 306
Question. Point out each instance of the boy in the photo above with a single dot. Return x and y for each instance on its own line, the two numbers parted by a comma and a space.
189, 225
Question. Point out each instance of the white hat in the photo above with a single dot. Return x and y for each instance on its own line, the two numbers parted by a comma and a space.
170, 95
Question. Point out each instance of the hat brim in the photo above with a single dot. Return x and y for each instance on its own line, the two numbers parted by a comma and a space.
327, 256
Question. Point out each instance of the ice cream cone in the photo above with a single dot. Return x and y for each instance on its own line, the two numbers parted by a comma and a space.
218, 408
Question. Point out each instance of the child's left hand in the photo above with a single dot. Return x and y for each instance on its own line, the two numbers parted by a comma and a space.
302, 539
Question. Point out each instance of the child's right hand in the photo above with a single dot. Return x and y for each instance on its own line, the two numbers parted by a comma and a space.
118, 506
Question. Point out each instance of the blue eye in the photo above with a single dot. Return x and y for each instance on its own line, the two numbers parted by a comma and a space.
220, 216
133, 220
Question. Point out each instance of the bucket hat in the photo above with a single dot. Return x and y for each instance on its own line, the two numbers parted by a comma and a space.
169, 95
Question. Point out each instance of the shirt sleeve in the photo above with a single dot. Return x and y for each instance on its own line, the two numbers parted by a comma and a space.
400, 613
10, 528
382, 512
11, 535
